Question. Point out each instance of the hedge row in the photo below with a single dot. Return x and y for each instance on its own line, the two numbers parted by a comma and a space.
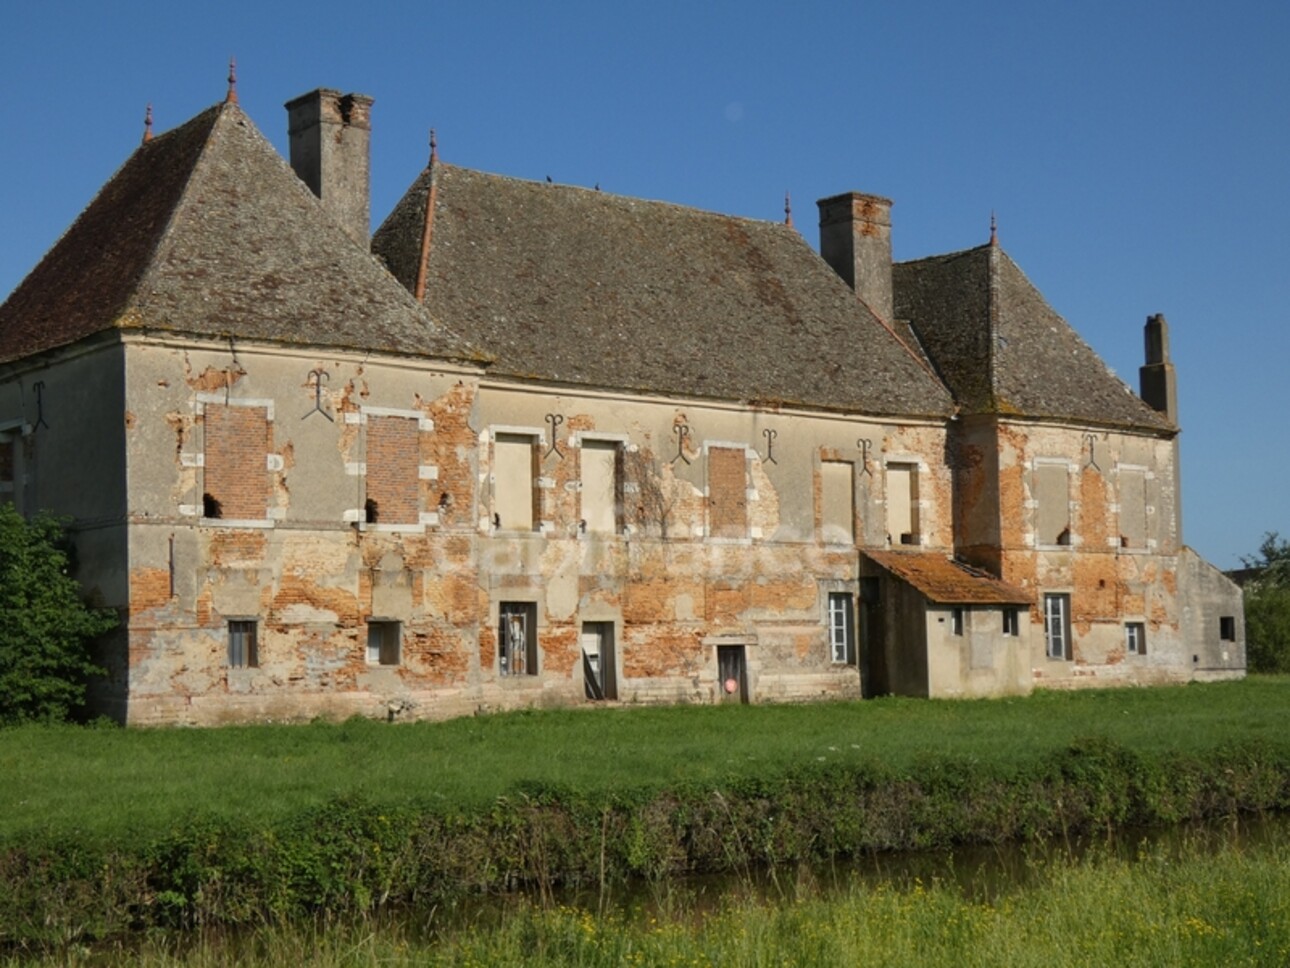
357, 856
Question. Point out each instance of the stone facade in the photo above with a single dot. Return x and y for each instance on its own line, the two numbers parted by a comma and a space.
350, 496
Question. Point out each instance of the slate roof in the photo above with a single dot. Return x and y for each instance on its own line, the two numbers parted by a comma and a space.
206, 230
580, 287
1002, 349
946, 581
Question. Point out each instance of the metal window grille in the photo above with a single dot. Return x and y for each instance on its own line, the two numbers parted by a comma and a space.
243, 651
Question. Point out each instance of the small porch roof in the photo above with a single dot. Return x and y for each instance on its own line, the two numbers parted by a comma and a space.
943, 580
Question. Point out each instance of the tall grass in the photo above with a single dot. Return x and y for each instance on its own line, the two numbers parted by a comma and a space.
1195, 908
102, 785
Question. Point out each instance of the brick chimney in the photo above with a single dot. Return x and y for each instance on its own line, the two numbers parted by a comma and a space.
330, 150
855, 239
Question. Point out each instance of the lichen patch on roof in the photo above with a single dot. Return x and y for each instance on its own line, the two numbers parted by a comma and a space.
584, 287
946, 581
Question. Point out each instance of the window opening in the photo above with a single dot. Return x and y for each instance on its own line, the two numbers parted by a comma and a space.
517, 639
383, 642
1135, 638
1227, 628
956, 620
1011, 622
598, 667
842, 635
1057, 626
243, 649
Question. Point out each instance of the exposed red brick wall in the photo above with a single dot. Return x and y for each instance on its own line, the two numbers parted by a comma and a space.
236, 471
393, 457
727, 492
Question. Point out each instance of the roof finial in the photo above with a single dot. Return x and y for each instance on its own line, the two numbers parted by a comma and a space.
147, 125
434, 148
232, 81
788, 210
994, 229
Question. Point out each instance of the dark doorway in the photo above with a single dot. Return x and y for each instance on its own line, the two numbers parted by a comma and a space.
732, 674
599, 670
874, 680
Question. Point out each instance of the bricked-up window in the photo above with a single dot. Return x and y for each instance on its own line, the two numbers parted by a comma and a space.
1052, 504
515, 494
384, 641
727, 492
842, 629
517, 639
1135, 638
1133, 508
393, 466
243, 645
236, 476
902, 503
837, 499
1057, 626
602, 486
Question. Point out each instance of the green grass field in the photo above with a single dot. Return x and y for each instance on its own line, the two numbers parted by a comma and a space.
100, 784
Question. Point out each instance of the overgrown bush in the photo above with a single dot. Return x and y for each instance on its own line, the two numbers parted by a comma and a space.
45, 628
1267, 607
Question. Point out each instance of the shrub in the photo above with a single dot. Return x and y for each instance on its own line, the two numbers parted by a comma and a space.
45, 628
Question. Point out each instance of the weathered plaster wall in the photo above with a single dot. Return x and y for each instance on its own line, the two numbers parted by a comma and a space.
980, 662
1208, 597
313, 569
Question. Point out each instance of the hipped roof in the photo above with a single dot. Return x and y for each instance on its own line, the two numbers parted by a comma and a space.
581, 287
205, 230
946, 581
1003, 350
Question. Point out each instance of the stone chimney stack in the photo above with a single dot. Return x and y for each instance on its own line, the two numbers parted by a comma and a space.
855, 239
1158, 384
331, 152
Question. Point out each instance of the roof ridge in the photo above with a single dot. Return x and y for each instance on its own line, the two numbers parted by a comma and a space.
617, 197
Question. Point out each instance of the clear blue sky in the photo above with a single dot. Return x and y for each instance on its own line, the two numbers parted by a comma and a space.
1136, 152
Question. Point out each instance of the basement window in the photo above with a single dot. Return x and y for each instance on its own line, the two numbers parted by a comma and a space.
243, 645
842, 630
1227, 628
1135, 638
1011, 622
517, 639
384, 640
1057, 626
